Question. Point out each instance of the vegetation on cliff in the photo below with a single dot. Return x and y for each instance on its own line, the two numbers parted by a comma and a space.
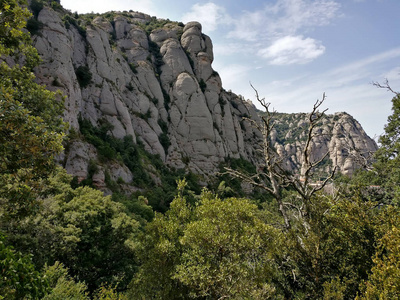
61, 239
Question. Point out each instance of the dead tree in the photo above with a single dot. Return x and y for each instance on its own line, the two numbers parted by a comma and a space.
272, 177
386, 86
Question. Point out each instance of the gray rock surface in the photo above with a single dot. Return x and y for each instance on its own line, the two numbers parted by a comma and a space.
141, 79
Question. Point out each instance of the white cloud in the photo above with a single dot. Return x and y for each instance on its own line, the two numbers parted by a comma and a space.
348, 87
393, 76
293, 15
363, 63
209, 15
292, 50
285, 17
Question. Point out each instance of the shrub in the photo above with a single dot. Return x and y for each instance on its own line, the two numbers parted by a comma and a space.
202, 85
36, 6
165, 142
133, 68
33, 26
84, 76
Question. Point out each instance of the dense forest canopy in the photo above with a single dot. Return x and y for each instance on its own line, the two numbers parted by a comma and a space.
60, 239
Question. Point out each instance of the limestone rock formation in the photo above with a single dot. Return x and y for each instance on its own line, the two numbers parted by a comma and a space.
153, 80
339, 135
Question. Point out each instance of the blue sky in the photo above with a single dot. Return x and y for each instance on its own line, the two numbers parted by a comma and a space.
293, 51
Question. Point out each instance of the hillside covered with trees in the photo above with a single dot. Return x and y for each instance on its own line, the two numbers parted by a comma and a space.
286, 238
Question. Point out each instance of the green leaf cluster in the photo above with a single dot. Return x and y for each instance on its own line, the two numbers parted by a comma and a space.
18, 277
218, 248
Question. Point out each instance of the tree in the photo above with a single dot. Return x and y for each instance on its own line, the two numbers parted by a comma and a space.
384, 280
62, 285
31, 127
18, 277
388, 155
160, 252
217, 249
27, 149
272, 177
228, 251
90, 234
333, 255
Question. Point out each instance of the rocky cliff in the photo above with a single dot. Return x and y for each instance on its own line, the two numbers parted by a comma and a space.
153, 80
339, 135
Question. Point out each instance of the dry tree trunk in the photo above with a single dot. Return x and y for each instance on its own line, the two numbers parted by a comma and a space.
272, 177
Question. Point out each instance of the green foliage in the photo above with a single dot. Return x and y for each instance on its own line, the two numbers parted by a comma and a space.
161, 252
108, 293
153, 24
234, 184
56, 5
30, 123
331, 248
84, 76
227, 251
388, 160
63, 286
219, 248
34, 26
154, 50
27, 148
202, 247
202, 85
18, 277
165, 142
90, 234
13, 40
137, 207
129, 86
69, 20
136, 158
36, 6
384, 280
112, 148
132, 66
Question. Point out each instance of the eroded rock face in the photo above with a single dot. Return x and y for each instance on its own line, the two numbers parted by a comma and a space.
339, 137
139, 81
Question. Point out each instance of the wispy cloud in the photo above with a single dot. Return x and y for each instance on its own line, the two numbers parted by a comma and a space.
360, 65
285, 17
348, 87
292, 50
279, 30
209, 15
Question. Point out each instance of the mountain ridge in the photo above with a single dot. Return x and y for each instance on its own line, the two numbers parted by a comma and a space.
152, 79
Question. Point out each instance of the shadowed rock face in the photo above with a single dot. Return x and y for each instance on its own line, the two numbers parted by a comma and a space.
136, 81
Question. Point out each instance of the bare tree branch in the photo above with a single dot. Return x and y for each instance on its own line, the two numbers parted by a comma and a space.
272, 176
386, 86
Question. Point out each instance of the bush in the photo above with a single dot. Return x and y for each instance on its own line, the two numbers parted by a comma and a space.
202, 85
34, 26
133, 68
36, 6
164, 141
19, 279
84, 76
